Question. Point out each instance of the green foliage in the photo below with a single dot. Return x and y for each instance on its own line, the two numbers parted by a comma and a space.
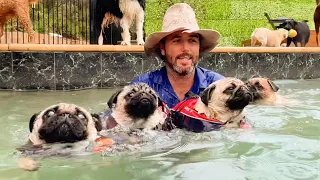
234, 19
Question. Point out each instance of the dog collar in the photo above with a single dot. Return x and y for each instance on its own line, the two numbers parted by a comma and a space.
111, 122
184, 115
187, 108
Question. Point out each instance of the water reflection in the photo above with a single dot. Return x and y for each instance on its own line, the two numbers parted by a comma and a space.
284, 143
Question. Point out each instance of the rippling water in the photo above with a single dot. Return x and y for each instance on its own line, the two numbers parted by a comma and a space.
284, 143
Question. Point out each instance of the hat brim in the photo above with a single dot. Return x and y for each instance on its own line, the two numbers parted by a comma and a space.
210, 39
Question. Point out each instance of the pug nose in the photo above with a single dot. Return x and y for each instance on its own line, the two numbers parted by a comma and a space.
145, 101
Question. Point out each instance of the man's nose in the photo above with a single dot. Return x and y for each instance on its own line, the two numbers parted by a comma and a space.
185, 46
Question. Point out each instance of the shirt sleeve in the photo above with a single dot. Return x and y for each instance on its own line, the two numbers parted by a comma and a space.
213, 76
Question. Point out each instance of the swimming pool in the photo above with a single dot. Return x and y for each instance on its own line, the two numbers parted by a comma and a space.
284, 144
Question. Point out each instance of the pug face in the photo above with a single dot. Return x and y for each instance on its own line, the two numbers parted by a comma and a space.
263, 90
63, 123
136, 107
225, 100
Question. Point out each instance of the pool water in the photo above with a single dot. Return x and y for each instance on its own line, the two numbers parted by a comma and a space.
284, 143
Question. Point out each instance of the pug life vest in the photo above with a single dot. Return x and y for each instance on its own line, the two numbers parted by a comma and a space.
185, 116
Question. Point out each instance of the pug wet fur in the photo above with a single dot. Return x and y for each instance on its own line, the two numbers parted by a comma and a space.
135, 106
62, 129
225, 101
264, 91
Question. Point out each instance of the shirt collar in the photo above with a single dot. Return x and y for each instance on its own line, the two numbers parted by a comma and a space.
200, 81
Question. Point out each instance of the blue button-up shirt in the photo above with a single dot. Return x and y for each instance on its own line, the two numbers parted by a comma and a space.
158, 80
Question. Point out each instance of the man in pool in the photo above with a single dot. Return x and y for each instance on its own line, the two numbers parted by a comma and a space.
180, 44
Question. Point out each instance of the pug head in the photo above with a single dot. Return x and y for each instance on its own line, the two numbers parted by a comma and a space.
261, 88
225, 100
136, 106
284, 33
63, 123
288, 24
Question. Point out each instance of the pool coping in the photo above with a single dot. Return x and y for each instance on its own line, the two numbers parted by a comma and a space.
139, 48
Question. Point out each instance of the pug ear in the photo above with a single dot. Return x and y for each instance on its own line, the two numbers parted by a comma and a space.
273, 86
113, 98
32, 121
160, 103
97, 121
206, 94
190, 94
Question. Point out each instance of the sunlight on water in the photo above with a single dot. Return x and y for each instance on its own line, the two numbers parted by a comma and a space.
283, 145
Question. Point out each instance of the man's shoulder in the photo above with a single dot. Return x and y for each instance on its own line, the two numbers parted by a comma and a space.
148, 77
210, 75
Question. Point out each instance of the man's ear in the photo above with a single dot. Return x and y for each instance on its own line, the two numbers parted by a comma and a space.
206, 94
97, 121
162, 49
113, 98
32, 121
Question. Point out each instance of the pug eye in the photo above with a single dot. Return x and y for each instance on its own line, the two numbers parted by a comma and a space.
131, 94
231, 88
81, 116
50, 113
258, 85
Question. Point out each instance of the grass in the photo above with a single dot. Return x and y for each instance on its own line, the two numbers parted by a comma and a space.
234, 19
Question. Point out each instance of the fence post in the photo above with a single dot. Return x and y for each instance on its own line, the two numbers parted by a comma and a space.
93, 34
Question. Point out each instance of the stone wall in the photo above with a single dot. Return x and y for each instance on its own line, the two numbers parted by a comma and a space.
82, 70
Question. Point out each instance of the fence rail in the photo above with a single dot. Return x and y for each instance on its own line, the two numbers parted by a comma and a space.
54, 22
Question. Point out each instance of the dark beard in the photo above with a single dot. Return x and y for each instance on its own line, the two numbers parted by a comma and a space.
178, 70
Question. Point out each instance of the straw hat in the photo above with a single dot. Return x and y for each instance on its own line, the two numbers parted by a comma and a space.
178, 17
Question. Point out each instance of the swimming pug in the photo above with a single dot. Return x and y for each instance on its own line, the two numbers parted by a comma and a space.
61, 129
135, 106
225, 101
63, 123
264, 91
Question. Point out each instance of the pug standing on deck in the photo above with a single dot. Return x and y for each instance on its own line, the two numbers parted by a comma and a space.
225, 101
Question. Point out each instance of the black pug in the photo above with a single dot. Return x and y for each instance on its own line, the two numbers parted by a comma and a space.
303, 32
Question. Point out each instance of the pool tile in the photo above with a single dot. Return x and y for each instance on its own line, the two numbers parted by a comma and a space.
119, 69
227, 64
74, 70
293, 65
258, 58
151, 63
6, 78
33, 70
312, 66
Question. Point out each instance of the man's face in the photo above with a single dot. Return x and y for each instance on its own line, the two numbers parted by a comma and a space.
181, 51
